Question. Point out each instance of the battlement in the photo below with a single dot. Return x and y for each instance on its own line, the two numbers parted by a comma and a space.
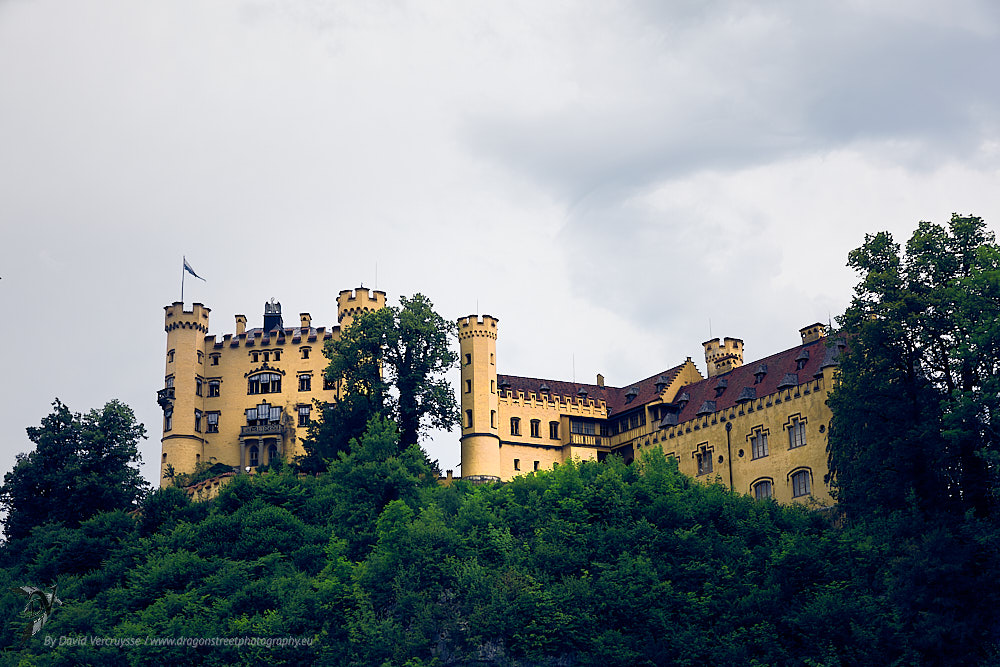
351, 303
474, 325
175, 317
723, 357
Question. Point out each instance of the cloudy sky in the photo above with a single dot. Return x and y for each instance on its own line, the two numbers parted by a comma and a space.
615, 181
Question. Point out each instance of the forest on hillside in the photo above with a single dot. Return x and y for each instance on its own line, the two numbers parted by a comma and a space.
356, 555
604, 564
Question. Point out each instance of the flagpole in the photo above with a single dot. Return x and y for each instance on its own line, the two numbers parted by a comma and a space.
183, 271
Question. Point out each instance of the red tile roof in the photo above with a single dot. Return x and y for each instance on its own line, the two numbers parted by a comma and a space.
779, 366
614, 397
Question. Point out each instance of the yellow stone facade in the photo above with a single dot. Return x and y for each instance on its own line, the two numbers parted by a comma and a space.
246, 398
759, 428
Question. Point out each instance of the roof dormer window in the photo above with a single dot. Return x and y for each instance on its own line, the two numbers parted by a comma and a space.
720, 387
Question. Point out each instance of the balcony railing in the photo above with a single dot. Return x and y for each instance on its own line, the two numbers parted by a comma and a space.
165, 397
264, 429
581, 439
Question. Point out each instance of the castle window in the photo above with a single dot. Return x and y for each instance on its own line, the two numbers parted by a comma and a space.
170, 356
582, 427
796, 433
211, 422
704, 460
468, 359
214, 388
263, 414
272, 453
253, 456
305, 352
168, 420
277, 355
468, 386
758, 444
215, 359
554, 430
267, 357
801, 483
515, 426
305, 382
255, 357
536, 465
493, 418
468, 419
198, 382
264, 383
536, 426
763, 489
328, 384
304, 415
517, 464
197, 421
168, 381
201, 355
491, 357
493, 386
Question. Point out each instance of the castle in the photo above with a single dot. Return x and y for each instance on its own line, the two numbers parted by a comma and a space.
247, 399
759, 428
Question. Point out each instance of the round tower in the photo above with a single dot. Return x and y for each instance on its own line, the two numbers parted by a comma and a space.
480, 402
351, 303
182, 397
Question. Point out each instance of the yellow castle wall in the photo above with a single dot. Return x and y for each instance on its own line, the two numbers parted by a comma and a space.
229, 360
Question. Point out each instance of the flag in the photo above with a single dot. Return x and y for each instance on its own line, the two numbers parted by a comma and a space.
187, 267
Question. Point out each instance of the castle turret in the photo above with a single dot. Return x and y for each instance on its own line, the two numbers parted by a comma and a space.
480, 402
351, 303
723, 357
182, 398
272, 316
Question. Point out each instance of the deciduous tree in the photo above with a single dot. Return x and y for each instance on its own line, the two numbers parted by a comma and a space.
82, 464
389, 362
916, 415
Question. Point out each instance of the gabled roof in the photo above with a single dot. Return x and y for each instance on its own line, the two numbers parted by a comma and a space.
615, 397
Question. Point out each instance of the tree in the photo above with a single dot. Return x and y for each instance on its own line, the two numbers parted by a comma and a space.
389, 362
916, 414
82, 465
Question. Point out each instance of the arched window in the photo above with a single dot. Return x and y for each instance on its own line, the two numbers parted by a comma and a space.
253, 456
272, 453
762, 489
801, 483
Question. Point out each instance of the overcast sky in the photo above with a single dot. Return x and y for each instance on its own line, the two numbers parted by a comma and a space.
613, 180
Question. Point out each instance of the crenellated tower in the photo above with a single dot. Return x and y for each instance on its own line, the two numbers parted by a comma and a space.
182, 397
351, 303
723, 357
477, 339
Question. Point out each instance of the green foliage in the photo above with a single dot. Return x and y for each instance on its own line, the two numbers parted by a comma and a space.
390, 362
922, 378
589, 564
81, 465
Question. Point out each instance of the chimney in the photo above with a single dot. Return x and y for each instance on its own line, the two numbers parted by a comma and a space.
600, 380
241, 324
812, 332
306, 320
